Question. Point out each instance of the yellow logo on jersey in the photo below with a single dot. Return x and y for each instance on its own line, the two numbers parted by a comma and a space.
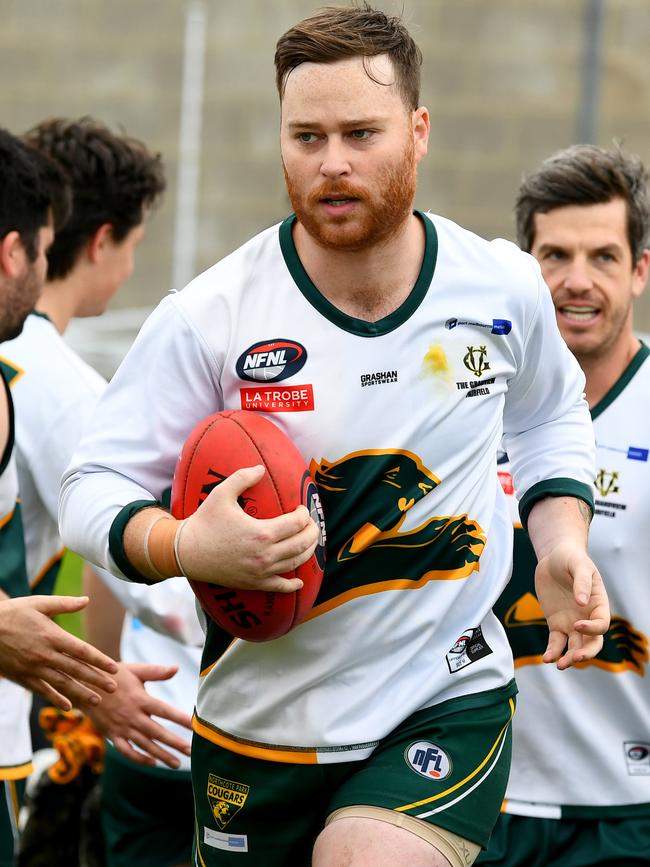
606, 483
226, 798
475, 360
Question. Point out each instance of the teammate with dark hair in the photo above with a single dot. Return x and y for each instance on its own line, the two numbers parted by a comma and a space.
35, 654
584, 798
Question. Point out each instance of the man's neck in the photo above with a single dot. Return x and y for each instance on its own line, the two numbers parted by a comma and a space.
59, 300
603, 372
367, 284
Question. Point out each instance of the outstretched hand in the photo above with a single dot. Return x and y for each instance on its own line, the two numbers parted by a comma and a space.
223, 545
571, 592
126, 717
46, 659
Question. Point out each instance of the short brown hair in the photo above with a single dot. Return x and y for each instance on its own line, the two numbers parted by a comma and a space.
114, 179
586, 175
338, 32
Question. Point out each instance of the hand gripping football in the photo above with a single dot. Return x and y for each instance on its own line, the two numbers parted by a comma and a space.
218, 446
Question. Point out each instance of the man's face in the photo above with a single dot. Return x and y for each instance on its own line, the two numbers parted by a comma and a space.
20, 294
350, 148
113, 267
586, 260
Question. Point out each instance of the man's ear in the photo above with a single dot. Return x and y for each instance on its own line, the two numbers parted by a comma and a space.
640, 274
13, 256
421, 127
98, 241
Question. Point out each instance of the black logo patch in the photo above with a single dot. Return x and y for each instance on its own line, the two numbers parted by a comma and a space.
469, 647
271, 360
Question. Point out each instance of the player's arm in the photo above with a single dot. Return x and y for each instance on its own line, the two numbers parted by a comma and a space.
168, 607
167, 383
550, 441
220, 543
104, 616
46, 659
126, 716
568, 584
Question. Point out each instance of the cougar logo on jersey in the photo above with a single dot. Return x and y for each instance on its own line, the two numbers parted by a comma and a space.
366, 497
475, 360
428, 760
624, 647
226, 798
271, 360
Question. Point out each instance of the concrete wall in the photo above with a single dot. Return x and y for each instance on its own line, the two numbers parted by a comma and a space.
502, 79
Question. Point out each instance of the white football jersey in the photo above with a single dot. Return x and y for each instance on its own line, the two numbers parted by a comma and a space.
15, 701
54, 393
581, 737
400, 421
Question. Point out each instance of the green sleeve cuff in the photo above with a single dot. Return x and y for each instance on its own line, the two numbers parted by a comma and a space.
554, 488
116, 540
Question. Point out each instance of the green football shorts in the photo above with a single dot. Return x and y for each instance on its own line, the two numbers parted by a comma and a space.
147, 814
447, 765
12, 797
524, 841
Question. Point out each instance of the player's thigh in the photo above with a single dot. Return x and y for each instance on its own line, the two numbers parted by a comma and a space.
147, 815
257, 813
445, 767
370, 837
10, 801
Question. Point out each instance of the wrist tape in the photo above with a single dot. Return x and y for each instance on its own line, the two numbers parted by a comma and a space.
161, 547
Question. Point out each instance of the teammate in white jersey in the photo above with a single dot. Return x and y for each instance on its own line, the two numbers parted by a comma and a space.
34, 653
116, 181
579, 792
385, 715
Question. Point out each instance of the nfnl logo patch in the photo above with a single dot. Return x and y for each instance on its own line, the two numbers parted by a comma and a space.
428, 760
271, 360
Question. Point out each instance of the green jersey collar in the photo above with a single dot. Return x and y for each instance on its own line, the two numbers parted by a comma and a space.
621, 382
349, 323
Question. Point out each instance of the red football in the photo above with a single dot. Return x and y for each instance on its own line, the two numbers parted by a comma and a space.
219, 445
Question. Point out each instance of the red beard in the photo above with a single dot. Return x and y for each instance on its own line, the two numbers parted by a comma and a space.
376, 218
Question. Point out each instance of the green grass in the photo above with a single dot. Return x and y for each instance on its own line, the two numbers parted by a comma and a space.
68, 583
